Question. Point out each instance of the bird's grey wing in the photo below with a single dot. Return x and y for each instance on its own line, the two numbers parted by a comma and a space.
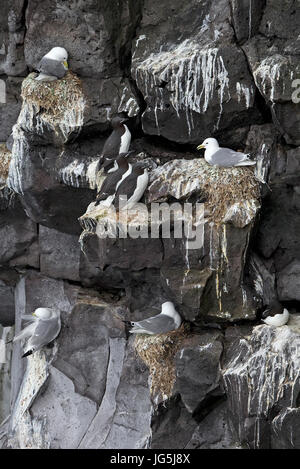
226, 157
52, 67
157, 324
27, 317
25, 333
44, 332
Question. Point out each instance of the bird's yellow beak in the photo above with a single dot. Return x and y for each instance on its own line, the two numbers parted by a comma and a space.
33, 314
66, 64
200, 146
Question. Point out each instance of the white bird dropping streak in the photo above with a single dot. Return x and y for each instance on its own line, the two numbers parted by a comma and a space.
250, 19
192, 75
243, 90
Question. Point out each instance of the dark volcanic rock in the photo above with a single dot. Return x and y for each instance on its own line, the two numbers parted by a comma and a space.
172, 426
214, 431
8, 280
125, 423
285, 429
272, 56
204, 277
181, 71
12, 32
17, 233
289, 282
197, 369
193, 77
9, 110
261, 381
59, 254
87, 367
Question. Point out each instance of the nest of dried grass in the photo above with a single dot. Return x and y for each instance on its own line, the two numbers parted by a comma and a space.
223, 187
5, 157
53, 97
158, 352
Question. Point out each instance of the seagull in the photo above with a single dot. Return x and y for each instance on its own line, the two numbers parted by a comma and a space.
275, 315
43, 330
166, 321
53, 65
223, 157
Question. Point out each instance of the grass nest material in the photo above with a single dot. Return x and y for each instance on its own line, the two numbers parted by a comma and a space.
158, 352
53, 97
224, 187
5, 157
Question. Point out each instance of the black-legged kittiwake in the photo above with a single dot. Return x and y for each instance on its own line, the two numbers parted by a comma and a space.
53, 65
132, 189
223, 157
168, 320
44, 328
275, 315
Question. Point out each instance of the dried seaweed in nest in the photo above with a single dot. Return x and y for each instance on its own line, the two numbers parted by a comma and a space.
218, 188
158, 352
53, 97
224, 187
5, 157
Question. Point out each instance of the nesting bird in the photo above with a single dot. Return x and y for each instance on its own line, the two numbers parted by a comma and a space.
168, 320
223, 157
53, 65
118, 142
44, 328
275, 315
132, 188
114, 178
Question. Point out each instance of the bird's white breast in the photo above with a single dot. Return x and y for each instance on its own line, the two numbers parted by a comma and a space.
277, 320
125, 175
208, 154
125, 140
141, 184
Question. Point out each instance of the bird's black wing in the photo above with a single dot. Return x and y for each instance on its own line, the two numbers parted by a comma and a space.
109, 185
126, 188
112, 145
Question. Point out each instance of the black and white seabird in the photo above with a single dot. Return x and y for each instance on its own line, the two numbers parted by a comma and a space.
53, 65
114, 178
132, 189
44, 328
275, 315
118, 142
166, 321
223, 157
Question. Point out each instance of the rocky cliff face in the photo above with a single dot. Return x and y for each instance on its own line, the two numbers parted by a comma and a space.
181, 72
